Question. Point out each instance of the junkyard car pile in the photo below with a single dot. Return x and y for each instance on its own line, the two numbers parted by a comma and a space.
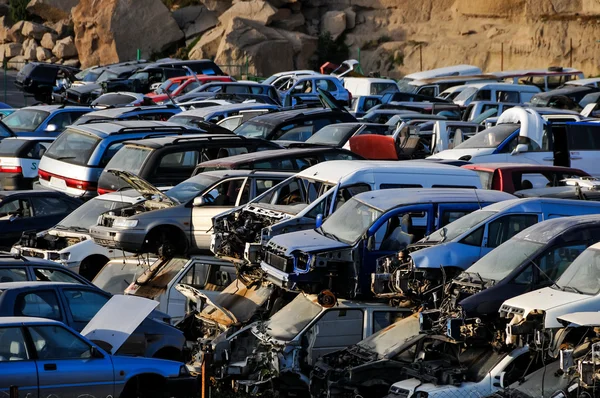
167, 229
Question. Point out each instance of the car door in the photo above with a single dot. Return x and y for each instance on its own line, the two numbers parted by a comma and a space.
67, 366
17, 364
503, 228
215, 200
48, 211
16, 217
81, 304
583, 142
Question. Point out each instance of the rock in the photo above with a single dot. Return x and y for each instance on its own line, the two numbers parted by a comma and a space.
281, 3
34, 30
2, 56
294, 22
492, 9
72, 62
111, 30
30, 50
65, 48
195, 20
16, 62
187, 15
350, 18
42, 54
14, 33
51, 10
62, 28
208, 45
12, 50
49, 40
4, 29
219, 6
334, 22
254, 10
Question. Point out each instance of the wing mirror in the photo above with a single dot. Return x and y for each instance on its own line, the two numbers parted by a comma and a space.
499, 380
51, 128
199, 201
520, 149
319, 221
95, 352
371, 243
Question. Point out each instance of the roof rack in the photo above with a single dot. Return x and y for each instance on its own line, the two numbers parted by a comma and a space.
207, 138
99, 120
161, 129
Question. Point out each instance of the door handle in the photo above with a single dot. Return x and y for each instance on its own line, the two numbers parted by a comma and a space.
549, 158
49, 366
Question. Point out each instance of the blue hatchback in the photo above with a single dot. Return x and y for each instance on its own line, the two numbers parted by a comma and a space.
44, 120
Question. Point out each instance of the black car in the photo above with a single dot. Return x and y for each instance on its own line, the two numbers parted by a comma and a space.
153, 112
209, 89
293, 125
166, 161
39, 79
338, 135
295, 159
567, 97
34, 210
16, 268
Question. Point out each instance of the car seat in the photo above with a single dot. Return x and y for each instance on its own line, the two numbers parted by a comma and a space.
17, 351
400, 237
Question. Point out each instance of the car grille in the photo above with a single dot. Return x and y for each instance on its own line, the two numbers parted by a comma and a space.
280, 262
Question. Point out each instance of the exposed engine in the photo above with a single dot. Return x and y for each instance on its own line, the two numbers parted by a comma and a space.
107, 219
45, 241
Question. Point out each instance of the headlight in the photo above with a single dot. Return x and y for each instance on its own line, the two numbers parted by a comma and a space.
53, 256
125, 223
65, 256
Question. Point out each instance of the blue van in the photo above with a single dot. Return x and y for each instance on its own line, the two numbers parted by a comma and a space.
340, 254
457, 246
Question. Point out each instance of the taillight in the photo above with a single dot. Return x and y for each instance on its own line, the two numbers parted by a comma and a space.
44, 175
70, 182
11, 169
102, 191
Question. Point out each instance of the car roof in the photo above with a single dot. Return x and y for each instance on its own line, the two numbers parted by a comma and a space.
159, 142
200, 112
116, 112
26, 320
519, 166
519, 87
52, 108
528, 202
386, 199
282, 116
549, 229
36, 285
567, 91
262, 155
105, 129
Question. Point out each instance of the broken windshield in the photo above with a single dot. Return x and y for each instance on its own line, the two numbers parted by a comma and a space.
293, 318
583, 275
350, 222
459, 227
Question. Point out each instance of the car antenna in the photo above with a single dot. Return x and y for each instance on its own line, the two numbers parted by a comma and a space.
477, 197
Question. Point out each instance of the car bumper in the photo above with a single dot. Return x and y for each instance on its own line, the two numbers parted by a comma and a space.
130, 240
78, 193
182, 387
275, 275
15, 181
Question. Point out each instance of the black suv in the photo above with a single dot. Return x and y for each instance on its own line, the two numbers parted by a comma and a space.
166, 161
39, 79
293, 125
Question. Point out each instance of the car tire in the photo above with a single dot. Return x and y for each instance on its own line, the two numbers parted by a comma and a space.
167, 242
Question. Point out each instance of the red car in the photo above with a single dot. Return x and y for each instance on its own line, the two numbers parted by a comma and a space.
177, 86
512, 177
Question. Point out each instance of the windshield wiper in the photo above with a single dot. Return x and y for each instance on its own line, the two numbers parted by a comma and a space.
573, 289
66, 157
546, 275
328, 234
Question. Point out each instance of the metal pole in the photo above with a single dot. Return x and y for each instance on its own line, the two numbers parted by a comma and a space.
571, 54
4, 67
14, 392
421, 57
139, 54
502, 56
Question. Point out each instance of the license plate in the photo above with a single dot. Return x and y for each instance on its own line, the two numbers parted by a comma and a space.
58, 183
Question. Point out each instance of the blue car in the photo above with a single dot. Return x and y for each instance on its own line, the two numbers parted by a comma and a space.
43, 120
341, 254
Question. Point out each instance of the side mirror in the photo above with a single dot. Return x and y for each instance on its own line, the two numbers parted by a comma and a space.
51, 128
95, 352
499, 380
371, 243
319, 221
199, 201
520, 149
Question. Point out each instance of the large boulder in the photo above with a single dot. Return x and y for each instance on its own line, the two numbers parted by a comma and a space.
195, 20
208, 45
42, 53
16, 62
51, 10
14, 33
49, 40
62, 28
34, 30
254, 10
12, 49
65, 48
291, 22
111, 30
30, 50
219, 6
334, 22
490, 8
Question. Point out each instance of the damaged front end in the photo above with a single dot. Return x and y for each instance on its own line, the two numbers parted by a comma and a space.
49, 245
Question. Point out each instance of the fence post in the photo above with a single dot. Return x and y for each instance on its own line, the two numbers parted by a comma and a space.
139, 54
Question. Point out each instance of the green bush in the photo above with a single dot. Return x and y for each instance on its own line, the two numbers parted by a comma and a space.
335, 51
18, 10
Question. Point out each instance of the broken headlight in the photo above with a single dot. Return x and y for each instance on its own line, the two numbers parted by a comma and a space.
125, 223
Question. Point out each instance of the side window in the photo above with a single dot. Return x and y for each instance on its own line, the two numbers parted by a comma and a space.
474, 238
263, 185
517, 368
346, 193
427, 90
13, 275
294, 132
189, 87
504, 228
326, 85
53, 275
43, 304
84, 304
110, 152
395, 234
37, 150
18, 207
245, 196
12, 345
553, 262
61, 120
225, 193
304, 163
178, 162
48, 206
160, 116
196, 276
483, 95
56, 342
336, 328
452, 215
508, 96
340, 156
290, 194
525, 277
510, 145
383, 319
392, 186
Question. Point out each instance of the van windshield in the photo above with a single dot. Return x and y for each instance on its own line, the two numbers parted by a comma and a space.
25, 119
466, 94
350, 222
293, 318
73, 147
405, 86
489, 138
583, 275
459, 227
129, 158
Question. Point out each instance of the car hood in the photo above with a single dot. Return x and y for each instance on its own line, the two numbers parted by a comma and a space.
458, 153
85, 88
544, 299
307, 241
139, 184
118, 319
447, 254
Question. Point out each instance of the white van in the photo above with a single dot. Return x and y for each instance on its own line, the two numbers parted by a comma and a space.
456, 70
590, 82
359, 86
499, 92
315, 193
545, 79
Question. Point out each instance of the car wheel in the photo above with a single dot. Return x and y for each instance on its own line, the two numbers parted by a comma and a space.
167, 242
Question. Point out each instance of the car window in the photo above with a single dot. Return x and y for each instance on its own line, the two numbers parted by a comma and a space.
53, 275
275, 164
225, 193
189, 87
12, 345
37, 150
263, 185
42, 304
336, 328
427, 90
295, 132
84, 304
305, 163
483, 95
383, 319
507, 96
231, 123
48, 206
256, 89
73, 147
196, 275
340, 156
63, 119
504, 228
17, 207
554, 261
56, 342
474, 238
179, 160
237, 89
13, 275
326, 85
110, 152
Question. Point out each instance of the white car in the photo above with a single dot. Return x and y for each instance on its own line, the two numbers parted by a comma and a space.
69, 243
19, 160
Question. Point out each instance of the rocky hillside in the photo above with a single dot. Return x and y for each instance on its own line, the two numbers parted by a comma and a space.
392, 37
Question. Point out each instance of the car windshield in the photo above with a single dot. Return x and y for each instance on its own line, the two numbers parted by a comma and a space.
25, 119
583, 275
500, 262
293, 318
466, 94
489, 138
87, 75
115, 277
129, 158
405, 86
540, 101
350, 222
106, 75
73, 147
253, 129
87, 214
332, 135
143, 76
459, 227
167, 86
192, 187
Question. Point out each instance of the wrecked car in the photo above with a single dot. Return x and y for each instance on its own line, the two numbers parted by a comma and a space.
457, 246
179, 220
279, 352
318, 191
76, 305
69, 242
341, 254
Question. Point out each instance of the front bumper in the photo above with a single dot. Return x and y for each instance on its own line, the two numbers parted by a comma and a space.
130, 240
182, 387
276, 276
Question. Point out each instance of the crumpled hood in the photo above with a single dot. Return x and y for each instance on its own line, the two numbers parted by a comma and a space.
443, 254
308, 241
